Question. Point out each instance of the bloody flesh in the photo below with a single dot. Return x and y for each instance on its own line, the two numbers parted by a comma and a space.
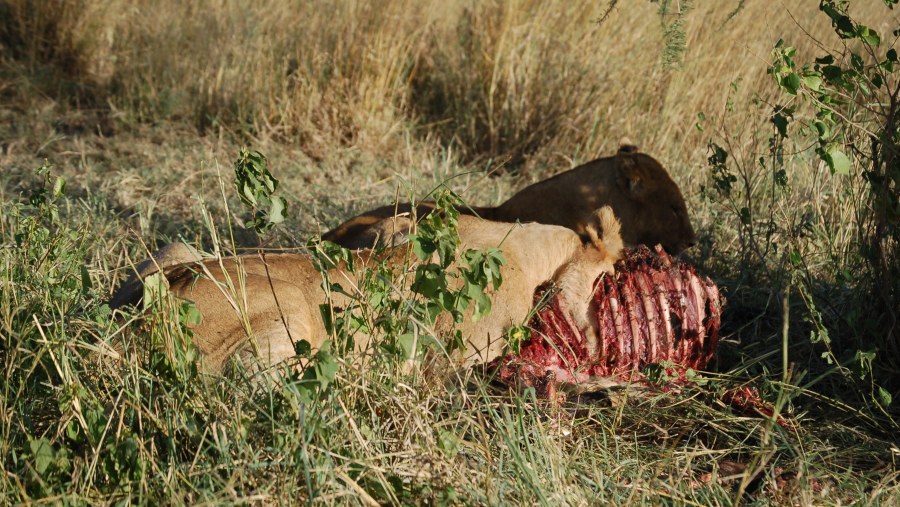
653, 309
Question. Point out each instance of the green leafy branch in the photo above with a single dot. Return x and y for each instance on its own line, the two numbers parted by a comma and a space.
256, 187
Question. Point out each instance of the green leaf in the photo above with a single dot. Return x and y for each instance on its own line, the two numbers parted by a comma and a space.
515, 336
791, 83
884, 397
73, 430
429, 282
495, 260
43, 454
306, 389
255, 185
85, 280
781, 122
155, 288
813, 81
302, 348
406, 344
191, 315
421, 250
358, 324
448, 442
59, 186
432, 310
277, 211
868, 35
326, 365
482, 302
822, 129
247, 194
781, 179
325, 312
839, 163
457, 303
833, 74
842, 24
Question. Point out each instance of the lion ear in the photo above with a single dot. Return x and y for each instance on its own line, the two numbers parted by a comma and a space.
627, 147
630, 177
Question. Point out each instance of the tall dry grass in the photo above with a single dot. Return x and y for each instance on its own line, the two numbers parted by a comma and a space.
546, 82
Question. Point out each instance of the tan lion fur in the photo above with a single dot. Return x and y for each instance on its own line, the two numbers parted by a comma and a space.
260, 305
577, 279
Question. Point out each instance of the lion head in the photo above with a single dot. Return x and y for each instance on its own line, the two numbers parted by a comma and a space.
643, 196
649, 204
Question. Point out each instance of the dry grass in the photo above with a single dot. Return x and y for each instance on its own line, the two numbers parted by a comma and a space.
378, 87
555, 80
354, 103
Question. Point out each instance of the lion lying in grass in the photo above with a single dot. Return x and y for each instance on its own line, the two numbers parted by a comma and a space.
639, 190
261, 305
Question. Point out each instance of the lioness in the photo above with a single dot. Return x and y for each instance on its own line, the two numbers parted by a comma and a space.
639, 190
276, 297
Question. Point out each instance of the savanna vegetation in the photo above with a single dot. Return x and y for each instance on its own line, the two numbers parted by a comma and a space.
120, 125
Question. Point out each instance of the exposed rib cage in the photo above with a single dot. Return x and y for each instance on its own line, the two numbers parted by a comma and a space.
653, 309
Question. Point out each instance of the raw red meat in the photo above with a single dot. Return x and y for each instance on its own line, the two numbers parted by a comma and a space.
653, 309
